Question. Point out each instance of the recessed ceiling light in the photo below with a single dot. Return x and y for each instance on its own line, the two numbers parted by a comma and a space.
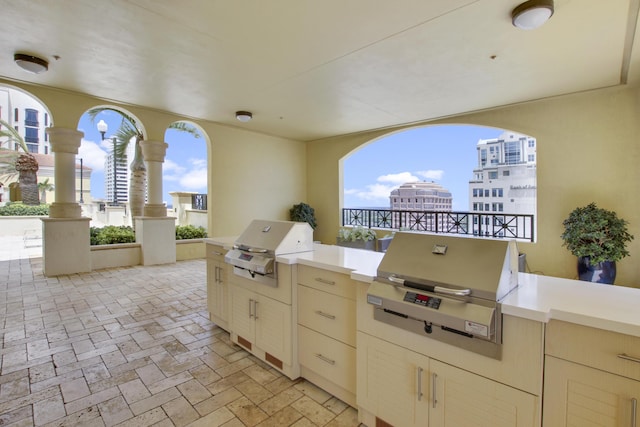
31, 63
244, 116
532, 14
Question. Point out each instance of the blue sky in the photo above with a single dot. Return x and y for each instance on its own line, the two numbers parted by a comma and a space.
445, 154
184, 169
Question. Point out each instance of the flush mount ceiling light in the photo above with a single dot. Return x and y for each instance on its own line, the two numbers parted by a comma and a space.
532, 14
31, 63
244, 116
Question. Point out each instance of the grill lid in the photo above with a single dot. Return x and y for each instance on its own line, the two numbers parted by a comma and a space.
489, 268
277, 237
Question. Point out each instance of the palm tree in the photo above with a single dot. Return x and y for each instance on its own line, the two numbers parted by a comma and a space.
127, 132
44, 186
25, 164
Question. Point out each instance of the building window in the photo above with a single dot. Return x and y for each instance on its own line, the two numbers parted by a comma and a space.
531, 157
532, 143
496, 192
16, 115
486, 192
505, 173
493, 175
31, 118
486, 207
46, 119
31, 135
512, 152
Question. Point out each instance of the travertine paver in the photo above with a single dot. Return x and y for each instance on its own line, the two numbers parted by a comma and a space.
134, 347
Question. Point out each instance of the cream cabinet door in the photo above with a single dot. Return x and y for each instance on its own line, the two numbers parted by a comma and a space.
241, 319
221, 304
576, 395
392, 382
460, 398
273, 327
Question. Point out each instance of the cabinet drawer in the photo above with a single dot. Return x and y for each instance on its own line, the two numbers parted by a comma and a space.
329, 314
594, 347
328, 281
215, 252
328, 358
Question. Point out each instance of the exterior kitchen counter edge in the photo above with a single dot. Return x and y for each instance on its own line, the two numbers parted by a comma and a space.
538, 298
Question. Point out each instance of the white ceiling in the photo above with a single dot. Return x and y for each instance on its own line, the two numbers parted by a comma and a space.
309, 69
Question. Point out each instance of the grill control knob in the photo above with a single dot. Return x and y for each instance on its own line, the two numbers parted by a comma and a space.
427, 327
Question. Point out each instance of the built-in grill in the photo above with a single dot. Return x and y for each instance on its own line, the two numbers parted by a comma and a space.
254, 252
446, 288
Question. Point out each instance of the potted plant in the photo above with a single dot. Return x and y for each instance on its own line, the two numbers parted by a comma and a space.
598, 238
357, 237
302, 212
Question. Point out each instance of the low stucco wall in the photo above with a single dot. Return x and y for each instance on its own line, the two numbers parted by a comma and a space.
118, 255
21, 225
190, 249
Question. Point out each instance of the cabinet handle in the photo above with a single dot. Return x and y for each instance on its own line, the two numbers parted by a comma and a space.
634, 411
434, 379
627, 357
419, 382
250, 308
323, 314
325, 281
216, 276
325, 359
216, 253
255, 309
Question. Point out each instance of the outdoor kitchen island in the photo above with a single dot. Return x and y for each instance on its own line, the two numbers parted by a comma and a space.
592, 335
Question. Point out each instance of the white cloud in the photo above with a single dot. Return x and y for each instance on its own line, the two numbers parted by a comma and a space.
193, 177
92, 155
171, 167
398, 178
431, 174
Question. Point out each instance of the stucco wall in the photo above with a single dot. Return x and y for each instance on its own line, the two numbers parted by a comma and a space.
587, 150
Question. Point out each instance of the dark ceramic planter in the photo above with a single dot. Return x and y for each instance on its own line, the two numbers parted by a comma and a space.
603, 272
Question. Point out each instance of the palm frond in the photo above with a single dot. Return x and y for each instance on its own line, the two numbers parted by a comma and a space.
126, 119
187, 128
11, 134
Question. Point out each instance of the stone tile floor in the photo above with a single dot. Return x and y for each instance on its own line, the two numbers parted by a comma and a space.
134, 347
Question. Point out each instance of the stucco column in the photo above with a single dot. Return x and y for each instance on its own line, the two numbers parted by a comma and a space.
64, 144
153, 153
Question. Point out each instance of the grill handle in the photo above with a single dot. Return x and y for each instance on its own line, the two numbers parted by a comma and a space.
430, 288
248, 249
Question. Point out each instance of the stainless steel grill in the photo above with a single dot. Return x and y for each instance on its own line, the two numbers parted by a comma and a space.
446, 288
254, 253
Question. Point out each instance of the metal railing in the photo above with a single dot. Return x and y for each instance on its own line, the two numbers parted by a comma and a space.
199, 202
498, 225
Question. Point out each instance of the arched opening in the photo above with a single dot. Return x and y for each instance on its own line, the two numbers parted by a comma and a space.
184, 173
457, 179
24, 122
103, 164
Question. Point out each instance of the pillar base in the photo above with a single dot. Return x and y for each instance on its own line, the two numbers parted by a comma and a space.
65, 210
155, 211
65, 246
158, 239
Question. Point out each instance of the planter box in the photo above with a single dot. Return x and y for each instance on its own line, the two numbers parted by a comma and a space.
369, 245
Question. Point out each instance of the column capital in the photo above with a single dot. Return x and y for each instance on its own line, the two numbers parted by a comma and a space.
154, 151
64, 140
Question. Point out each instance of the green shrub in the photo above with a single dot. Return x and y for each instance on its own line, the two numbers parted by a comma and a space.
184, 232
19, 209
111, 234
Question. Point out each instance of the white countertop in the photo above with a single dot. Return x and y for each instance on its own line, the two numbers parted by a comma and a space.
539, 298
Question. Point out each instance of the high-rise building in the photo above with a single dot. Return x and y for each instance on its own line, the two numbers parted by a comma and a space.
504, 180
122, 176
27, 115
421, 196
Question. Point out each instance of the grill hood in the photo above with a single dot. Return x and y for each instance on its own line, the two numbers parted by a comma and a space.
277, 237
489, 268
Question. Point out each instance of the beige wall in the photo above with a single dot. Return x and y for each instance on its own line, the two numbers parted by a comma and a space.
588, 150
251, 175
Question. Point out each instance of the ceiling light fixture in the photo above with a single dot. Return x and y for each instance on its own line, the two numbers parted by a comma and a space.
532, 14
31, 63
244, 116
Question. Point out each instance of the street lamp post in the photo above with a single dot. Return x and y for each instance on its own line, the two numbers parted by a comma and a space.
102, 128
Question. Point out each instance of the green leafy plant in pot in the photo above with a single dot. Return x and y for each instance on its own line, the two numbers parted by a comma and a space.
302, 212
598, 238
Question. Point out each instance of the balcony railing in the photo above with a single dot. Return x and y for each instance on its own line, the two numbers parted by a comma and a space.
199, 202
498, 225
